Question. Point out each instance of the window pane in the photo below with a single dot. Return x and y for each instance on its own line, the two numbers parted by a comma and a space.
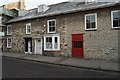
50, 23
115, 23
119, 22
9, 29
50, 29
56, 43
93, 25
9, 42
88, 19
116, 15
88, 25
92, 18
53, 23
49, 43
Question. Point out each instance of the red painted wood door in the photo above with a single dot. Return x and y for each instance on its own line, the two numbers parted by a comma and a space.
77, 45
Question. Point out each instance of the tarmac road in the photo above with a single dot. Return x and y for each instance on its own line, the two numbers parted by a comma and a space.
15, 68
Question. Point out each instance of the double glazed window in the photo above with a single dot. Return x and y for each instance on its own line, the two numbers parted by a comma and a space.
28, 28
51, 26
51, 43
9, 30
115, 15
91, 21
9, 42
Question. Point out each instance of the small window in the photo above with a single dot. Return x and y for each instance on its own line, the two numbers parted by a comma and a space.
51, 43
78, 44
115, 15
9, 30
9, 42
51, 26
28, 28
91, 21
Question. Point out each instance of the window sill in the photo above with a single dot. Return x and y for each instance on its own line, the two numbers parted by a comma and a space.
90, 29
8, 34
115, 27
9, 47
51, 32
52, 50
28, 33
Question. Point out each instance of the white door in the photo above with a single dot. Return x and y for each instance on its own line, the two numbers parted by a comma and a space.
29, 47
38, 46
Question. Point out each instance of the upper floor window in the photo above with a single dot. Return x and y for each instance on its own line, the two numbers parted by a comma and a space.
9, 42
91, 21
115, 17
28, 28
9, 30
51, 26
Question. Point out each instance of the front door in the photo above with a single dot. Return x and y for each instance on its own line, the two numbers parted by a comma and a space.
28, 45
77, 45
38, 46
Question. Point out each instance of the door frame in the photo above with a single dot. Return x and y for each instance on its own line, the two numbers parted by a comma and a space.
35, 46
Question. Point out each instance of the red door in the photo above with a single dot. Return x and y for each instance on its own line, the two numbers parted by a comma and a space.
77, 45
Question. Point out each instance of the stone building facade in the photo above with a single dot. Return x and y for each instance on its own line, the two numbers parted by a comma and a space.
99, 43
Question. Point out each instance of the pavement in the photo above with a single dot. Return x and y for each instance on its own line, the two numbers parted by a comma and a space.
68, 61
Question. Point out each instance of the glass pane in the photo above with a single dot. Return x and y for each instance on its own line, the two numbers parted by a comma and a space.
115, 23
116, 15
56, 43
92, 18
9, 30
53, 23
88, 25
93, 25
49, 43
119, 22
50, 23
88, 19
56, 40
50, 29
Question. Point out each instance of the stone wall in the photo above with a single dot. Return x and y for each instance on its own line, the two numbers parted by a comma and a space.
99, 44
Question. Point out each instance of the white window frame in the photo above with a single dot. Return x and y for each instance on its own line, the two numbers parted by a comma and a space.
8, 29
48, 26
28, 24
95, 21
112, 18
53, 42
7, 42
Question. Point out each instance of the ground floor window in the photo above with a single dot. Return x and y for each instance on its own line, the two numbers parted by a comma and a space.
52, 42
9, 42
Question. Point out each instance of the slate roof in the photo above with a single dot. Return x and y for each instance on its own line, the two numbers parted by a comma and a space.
62, 8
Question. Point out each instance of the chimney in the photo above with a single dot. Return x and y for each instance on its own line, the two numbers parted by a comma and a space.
21, 4
42, 8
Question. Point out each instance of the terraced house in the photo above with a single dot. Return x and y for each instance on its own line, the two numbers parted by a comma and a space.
71, 29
